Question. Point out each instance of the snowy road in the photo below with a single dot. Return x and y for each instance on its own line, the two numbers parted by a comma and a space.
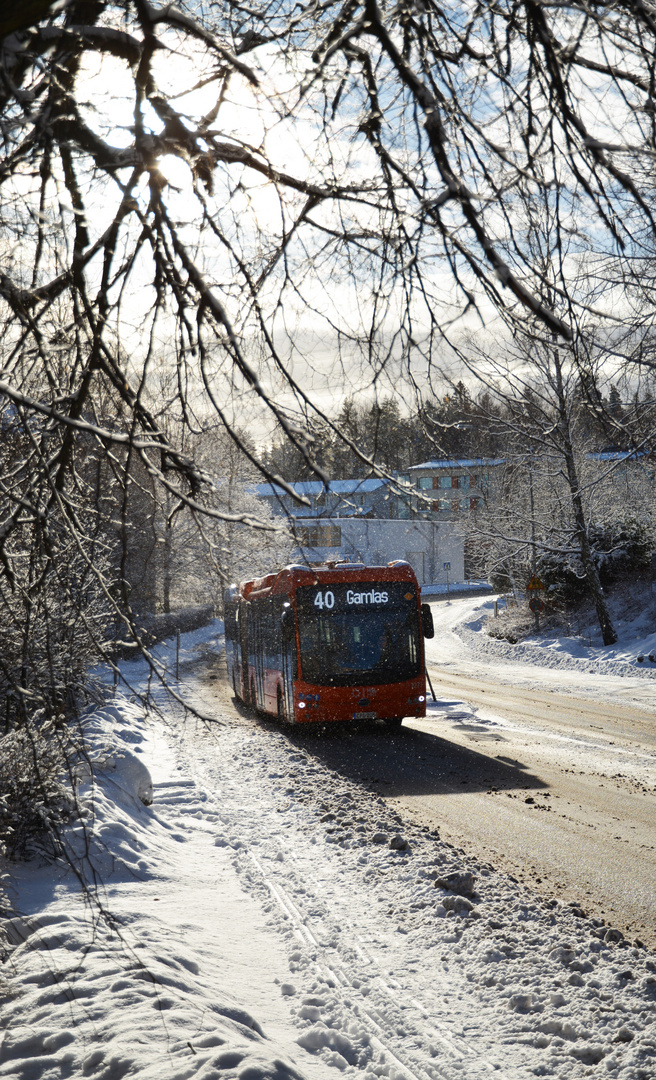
572, 815
579, 733
626, 722
549, 772
381, 969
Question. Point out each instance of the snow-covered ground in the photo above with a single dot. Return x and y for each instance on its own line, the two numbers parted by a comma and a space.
265, 917
457, 589
573, 664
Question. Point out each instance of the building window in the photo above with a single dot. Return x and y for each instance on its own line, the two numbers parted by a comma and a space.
445, 482
444, 504
425, 482
320, 536
464, 483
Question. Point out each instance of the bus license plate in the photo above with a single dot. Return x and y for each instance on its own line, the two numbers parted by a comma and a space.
365, 716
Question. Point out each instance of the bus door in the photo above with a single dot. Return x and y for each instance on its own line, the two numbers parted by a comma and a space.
288, 661
243, 643
258, 645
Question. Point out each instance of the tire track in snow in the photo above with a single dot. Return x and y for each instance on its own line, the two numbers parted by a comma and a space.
336, 968
456, 1048
341, 977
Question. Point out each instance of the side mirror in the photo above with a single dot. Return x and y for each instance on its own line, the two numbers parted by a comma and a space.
427, 626
287, 618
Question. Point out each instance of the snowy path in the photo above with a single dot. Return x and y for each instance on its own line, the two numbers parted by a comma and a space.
341, 982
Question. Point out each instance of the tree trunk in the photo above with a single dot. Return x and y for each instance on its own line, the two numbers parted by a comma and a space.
595, 590
168, 557
592, 577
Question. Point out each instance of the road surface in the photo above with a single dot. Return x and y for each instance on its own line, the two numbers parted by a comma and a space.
556, 788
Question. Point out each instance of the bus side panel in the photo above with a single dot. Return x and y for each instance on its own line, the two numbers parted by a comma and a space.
263, 671
258, 655
289, 662
273, 656
278, 648
272, 680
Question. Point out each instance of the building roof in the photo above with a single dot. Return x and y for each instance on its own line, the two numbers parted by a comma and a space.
322, 514
457, 463
316, 487
617, 455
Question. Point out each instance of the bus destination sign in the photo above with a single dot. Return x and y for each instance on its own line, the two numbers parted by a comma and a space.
339, 597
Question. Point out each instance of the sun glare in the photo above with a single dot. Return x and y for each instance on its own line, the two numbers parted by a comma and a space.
176, 172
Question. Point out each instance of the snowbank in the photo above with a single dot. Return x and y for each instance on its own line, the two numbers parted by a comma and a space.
470, 622
456, 589
118, 967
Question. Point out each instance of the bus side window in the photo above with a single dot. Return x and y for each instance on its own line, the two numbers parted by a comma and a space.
288, 626
276, 633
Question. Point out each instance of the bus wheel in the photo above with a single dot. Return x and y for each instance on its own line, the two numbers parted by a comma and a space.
393, 722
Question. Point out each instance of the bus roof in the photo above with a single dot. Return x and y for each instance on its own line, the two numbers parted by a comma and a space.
285, 581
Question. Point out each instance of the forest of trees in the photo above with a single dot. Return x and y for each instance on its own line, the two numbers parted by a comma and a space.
390, 438
461, 425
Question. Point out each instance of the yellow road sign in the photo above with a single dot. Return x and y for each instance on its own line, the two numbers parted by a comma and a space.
535, 583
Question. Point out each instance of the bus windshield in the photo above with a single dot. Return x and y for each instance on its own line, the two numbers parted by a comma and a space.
355, 634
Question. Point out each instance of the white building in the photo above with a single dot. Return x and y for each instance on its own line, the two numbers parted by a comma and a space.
435, 549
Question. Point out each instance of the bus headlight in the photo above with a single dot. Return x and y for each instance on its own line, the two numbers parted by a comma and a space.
301, 704
421, 698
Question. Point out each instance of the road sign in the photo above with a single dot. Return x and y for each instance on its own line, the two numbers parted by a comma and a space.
447, 565
534, 583
536, 605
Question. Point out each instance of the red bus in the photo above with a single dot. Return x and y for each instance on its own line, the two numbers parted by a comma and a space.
336, 642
